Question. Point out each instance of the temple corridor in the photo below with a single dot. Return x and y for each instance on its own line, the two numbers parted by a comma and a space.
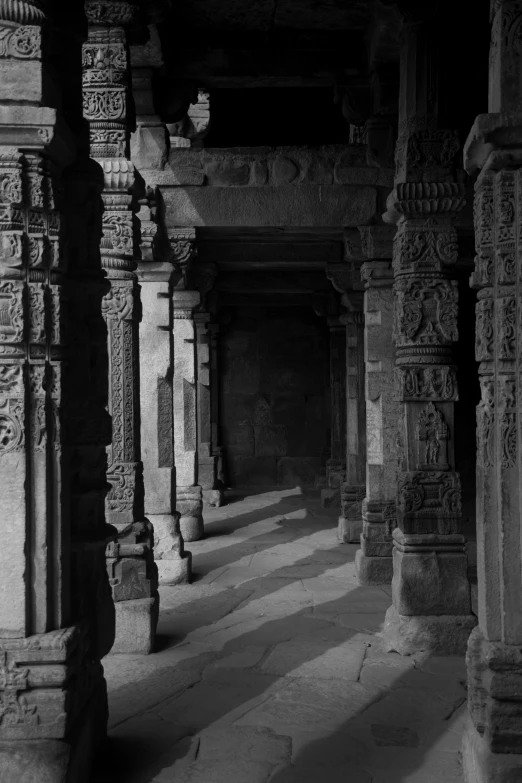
270, 667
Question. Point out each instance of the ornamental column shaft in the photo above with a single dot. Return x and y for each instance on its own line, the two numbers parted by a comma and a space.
430, 591
336, 465
184, 303
130, 560
493, 739
56, 613
345, 278
373, 561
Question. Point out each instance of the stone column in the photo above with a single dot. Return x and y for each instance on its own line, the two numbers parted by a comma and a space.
353, 490
56, 613
493, 740
430, 591
336, 465
203, 277
130, 560
217, 449
184, 302
157, 409
373, 561
345, 278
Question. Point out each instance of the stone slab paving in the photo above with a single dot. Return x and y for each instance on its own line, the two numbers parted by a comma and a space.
269, 667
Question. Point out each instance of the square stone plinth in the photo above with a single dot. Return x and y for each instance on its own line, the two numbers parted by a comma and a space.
136, 623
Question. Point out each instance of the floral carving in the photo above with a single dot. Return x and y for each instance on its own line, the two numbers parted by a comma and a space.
507, 311
508, 422
426, 311
119, 302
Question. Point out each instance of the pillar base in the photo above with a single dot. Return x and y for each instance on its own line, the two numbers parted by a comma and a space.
213, 498
176, 571
189, 503
373, 570
192, 528
442, 635
136, 622
59, 761
481, 765
331, 497
349, 530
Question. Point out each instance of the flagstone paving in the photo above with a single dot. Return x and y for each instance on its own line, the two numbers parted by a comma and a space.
269, 667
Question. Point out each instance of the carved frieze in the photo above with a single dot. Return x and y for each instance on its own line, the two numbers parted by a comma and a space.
425, 245
426, 383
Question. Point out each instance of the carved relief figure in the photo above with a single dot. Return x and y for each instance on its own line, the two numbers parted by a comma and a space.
432, 433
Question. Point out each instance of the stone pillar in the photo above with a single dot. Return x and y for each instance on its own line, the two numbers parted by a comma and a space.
373, 561
493, 740
430, 591
184, 302
203, 277
353, 490
336, 465
157, 410
130, 560
217, 449
56, 612
346, 279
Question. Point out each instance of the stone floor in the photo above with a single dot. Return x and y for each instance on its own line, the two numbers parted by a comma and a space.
269, 667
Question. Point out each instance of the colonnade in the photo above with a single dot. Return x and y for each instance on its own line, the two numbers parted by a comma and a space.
109, 427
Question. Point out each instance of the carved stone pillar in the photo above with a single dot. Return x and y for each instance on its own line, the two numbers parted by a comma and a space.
157, 409
430, 591
56, 613
492, 748
203, 277
373, 561
130, 560
184, 301
336, 465
217, 449
346, 279
353, 490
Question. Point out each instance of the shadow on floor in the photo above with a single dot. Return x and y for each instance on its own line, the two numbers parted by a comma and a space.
382, 710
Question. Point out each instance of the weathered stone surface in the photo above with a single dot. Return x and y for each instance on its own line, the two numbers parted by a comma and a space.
136, 621
310, 205
481, 765
442, 635
373, 570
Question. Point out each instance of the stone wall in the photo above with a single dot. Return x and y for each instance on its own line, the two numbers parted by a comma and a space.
275, 414
323, 186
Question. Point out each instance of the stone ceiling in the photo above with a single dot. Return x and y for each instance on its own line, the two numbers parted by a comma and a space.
264, 16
